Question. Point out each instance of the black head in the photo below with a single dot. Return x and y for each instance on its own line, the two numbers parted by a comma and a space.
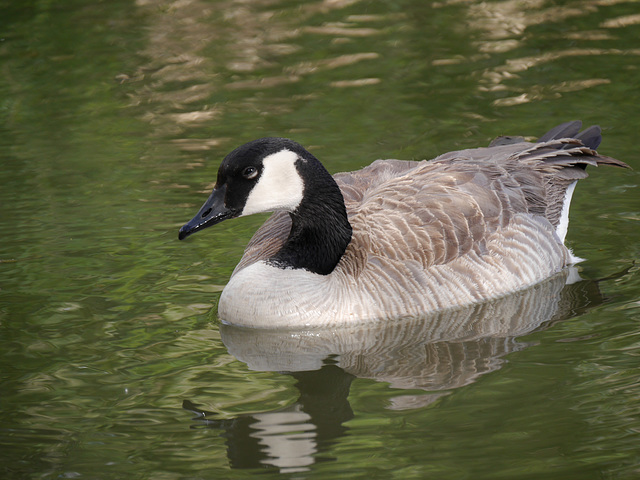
261, 176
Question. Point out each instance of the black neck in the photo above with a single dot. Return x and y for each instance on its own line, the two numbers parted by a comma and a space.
320, 229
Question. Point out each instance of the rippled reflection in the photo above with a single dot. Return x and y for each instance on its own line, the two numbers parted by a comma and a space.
180, 77
428, 356
258, 43
502, 28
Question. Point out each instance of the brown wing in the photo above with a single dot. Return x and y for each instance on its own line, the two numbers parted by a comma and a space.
434, 212
437, 211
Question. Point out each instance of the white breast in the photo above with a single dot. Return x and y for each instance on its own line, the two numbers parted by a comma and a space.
262, 295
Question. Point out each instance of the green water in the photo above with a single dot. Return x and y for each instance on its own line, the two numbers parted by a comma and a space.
114, 116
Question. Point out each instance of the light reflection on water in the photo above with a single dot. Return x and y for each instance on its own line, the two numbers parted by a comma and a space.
114, 118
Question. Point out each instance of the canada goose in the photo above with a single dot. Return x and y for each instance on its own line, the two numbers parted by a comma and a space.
397, 238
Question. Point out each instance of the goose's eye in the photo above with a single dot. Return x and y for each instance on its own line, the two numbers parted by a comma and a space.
250, 172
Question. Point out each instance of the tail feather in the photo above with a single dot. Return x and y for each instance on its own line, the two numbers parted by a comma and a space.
580, 145
564, 130
591, 137
562, 155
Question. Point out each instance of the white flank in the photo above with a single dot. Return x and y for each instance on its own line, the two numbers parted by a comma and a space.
280, 186
563, 226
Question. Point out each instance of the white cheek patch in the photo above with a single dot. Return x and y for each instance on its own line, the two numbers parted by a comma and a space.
280, 186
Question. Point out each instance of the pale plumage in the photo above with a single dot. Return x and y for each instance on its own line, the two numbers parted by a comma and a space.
463, 228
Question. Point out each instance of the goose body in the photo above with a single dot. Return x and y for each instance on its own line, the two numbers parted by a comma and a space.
397, 238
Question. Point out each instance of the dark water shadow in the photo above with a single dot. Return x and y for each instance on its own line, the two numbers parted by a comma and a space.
428, 356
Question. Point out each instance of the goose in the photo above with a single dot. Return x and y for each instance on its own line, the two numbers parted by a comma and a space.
397, 238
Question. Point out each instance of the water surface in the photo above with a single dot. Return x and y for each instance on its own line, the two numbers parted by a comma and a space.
113, 119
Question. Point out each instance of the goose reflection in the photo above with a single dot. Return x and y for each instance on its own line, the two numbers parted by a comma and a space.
430, 356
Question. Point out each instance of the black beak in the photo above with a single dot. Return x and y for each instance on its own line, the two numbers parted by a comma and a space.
212, 212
